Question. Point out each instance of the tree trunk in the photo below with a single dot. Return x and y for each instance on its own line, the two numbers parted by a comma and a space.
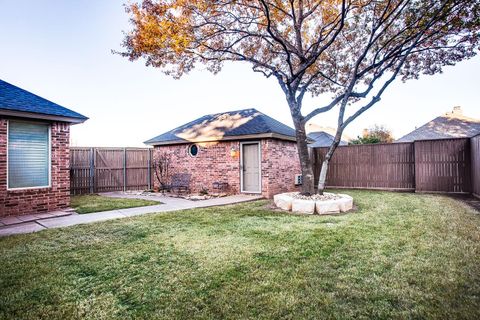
323, 172
308, 185
323, 176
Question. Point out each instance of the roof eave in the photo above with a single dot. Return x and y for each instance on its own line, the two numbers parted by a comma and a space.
227, 138
42, 116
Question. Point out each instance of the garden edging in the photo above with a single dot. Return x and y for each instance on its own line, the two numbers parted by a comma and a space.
287, 201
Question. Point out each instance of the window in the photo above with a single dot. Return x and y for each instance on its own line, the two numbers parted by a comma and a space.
193, 150
28, 155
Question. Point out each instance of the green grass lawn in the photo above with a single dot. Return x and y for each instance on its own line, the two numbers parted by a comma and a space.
97, 203
399, 256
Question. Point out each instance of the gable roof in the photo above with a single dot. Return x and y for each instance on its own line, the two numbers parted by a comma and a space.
232, 125
323, 139
450, 125
15, 101
312, 127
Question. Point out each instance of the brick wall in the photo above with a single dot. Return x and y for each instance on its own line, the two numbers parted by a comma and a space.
57, 196
280, 164
214, 162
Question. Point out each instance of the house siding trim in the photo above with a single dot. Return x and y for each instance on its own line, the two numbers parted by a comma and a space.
226, 138
41, 116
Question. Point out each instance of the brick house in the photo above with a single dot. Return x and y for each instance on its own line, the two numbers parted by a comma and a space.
34, 152
246, 149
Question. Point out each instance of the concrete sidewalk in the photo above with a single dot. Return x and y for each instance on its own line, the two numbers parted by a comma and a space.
168, 204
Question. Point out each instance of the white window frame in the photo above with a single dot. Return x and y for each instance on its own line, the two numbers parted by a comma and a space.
259, 143
49, 155
188, 150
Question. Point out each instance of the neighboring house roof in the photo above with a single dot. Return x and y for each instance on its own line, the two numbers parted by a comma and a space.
313, 127
323, 139
15, 101
450, 125
232, 125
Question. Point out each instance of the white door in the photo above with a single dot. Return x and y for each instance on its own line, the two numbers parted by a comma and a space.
251, 167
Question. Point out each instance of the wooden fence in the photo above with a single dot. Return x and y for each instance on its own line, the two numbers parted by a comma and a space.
374, 166
450, 165
424, 166
475, 165
110, 169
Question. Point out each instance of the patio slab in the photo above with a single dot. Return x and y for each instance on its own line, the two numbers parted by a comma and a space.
26, 227
10, 220
28, 217
79, 219
58, 220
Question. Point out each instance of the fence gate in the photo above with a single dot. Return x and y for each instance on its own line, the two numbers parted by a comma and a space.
110, 169
81, 170
442, 165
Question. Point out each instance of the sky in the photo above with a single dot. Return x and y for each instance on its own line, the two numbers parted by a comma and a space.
62, 51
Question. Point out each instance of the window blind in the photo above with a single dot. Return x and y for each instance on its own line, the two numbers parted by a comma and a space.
28, 155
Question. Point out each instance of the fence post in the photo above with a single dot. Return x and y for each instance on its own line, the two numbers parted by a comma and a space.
468, 167
149, 170
92, 170
124, 169
414, 155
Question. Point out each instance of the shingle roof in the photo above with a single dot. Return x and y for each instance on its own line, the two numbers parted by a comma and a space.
447, 126
15, 99
323, 139
226, 126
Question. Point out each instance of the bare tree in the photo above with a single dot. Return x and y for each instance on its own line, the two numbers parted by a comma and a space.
161, 167
349, 50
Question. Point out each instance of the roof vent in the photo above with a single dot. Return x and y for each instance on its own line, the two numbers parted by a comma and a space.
457, 110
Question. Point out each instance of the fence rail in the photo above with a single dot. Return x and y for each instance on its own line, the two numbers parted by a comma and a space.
424, 166
110, 169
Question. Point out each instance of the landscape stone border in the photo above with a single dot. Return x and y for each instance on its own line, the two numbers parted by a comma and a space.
286, 201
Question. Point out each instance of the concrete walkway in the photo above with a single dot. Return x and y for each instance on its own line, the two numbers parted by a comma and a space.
168, 204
